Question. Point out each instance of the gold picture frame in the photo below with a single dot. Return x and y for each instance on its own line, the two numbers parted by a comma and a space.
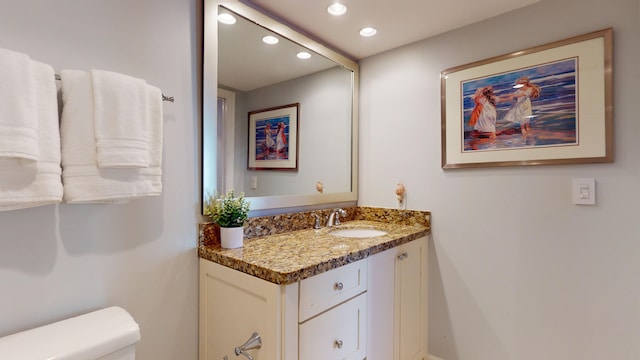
550, 104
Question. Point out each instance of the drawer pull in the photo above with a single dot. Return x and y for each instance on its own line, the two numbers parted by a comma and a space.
339, 344
403, 256
338, 286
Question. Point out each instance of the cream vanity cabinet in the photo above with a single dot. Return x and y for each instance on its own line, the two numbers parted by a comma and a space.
374, 308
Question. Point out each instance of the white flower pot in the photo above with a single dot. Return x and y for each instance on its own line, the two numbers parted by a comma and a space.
231, 237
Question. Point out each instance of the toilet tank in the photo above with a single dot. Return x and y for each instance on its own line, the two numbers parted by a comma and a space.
106, 334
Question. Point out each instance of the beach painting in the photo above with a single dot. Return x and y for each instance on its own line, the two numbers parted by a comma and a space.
531, 107
546, 105
273, 138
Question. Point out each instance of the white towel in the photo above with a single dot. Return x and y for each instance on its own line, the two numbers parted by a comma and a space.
121, 119
26, 184
84, 181
18, 122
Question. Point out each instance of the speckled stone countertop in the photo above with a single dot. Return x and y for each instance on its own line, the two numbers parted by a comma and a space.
284, 249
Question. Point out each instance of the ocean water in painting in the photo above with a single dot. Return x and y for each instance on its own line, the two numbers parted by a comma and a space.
268, 146
553, 120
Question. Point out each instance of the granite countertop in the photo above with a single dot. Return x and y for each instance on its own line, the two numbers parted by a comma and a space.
288, 257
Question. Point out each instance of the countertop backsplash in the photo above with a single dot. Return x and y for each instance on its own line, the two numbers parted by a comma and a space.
282, 223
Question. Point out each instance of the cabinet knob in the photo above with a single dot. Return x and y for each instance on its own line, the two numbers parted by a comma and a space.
338, 286
403, 256
339, 344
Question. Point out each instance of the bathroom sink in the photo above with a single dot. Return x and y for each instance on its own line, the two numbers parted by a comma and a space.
357, 232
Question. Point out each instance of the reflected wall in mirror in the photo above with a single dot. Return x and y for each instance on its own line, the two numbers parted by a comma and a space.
253, 75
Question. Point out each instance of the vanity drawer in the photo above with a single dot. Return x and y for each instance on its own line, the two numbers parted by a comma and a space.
321, 292
339, 333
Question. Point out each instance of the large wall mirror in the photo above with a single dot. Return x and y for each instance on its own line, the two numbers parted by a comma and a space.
275, 126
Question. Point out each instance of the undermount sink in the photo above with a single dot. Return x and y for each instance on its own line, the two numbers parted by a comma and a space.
357, 232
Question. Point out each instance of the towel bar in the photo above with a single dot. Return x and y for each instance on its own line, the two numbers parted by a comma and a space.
164, 97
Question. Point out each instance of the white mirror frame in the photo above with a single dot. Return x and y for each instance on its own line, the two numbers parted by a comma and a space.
210, 87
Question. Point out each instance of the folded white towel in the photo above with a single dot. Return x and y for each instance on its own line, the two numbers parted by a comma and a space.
84, 181
28, 184
121, 119
18, 122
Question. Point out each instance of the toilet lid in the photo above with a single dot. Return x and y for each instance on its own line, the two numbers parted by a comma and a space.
88, 336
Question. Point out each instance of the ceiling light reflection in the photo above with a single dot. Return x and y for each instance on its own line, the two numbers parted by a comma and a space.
337, 9
269, 39
226, 18
368, 32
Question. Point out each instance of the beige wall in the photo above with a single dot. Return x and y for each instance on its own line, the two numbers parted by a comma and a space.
60, 261
517, 272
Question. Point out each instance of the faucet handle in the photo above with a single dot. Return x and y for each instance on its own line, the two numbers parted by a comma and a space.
316, 224
339, 212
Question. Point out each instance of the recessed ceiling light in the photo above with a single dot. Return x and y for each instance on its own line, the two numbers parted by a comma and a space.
337, 9
303, 55
368, 31
226, 19
270, 40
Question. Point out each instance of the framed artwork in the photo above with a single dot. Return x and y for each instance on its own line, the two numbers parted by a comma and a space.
550, 104
273, 138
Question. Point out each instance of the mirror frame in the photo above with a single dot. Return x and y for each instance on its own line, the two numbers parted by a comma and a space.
210, 87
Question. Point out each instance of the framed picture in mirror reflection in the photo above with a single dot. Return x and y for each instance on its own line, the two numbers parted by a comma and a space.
273, 138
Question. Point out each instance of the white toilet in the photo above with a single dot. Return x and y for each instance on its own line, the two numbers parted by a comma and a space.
107, 334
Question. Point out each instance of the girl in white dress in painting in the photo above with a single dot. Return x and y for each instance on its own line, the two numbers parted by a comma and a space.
520, 112
268, 140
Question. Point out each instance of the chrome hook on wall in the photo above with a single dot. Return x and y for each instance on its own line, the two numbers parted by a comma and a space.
254, 342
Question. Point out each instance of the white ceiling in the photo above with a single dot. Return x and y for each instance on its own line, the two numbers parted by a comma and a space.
246, 63
399, 22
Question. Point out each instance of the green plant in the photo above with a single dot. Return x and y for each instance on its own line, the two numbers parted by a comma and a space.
227, 210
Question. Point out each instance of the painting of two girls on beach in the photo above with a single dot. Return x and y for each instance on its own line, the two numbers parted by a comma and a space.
526, 108
272, 139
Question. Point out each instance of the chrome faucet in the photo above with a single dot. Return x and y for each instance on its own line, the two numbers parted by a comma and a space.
334, 218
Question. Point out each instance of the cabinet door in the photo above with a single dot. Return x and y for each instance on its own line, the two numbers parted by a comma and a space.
336, 334
397, 306
381, 305
411, 297
233, 305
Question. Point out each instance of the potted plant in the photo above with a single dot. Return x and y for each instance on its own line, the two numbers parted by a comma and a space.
230, 213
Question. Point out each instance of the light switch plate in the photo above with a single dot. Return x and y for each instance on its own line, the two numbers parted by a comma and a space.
584, 191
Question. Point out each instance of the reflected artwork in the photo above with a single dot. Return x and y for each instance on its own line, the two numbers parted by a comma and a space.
273, 138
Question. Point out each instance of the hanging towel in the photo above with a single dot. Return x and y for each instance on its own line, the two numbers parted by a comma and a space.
28, 184
84, 181
121, 119
18, 122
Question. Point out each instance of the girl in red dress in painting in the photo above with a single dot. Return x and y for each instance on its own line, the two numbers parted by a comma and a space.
281, 141
483, 117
